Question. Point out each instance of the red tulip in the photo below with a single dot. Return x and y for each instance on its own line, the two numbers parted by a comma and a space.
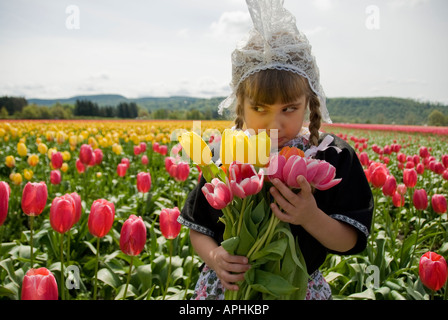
86, 154
39, 284
137, 150
34, 198
445, 160
56, 160
432, 270
424, 153
55, 176
420, 199
78, 205
155, 147
92, 160
143, 182
133, 236
183, 170
390, 186
410, 177
142, 146
169, 226
62, 213
364, 158
401, 157
169, 161
445, 175
5, 191
98, 153
121, 169
402, 189
420, 168
101, 217
163, 150
438, 203
80, 166
378, 176
398, 200
145, 160
172, 171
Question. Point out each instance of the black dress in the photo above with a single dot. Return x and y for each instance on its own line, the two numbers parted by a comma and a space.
350, 201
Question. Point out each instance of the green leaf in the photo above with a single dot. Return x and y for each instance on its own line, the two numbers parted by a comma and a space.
269, 283
273, 251
231, 244
109, 278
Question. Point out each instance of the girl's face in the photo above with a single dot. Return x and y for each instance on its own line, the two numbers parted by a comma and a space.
286, 118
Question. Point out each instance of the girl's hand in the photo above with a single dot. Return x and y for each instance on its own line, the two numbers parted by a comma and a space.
228, 268
296, 209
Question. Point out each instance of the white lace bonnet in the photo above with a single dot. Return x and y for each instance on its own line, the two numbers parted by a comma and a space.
274, 43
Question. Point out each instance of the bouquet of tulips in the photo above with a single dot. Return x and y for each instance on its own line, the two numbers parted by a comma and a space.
239, 187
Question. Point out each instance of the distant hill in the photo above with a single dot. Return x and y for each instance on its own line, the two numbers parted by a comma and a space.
351, 110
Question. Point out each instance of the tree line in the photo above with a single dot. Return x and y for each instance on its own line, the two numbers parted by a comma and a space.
380, 110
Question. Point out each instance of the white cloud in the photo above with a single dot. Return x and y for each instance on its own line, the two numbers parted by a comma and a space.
397, 4
234, 23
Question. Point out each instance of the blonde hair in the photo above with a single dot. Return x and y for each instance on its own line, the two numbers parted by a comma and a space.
272, 86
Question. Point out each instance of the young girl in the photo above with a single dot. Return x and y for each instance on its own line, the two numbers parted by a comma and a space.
275, 83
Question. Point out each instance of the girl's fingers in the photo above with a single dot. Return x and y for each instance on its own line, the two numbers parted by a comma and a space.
281, 201
304, 185
281, 215
284, 190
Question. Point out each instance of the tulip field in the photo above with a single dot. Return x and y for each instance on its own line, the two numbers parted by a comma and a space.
88, 211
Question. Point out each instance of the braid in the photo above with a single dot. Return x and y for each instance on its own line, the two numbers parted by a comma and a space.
315, 119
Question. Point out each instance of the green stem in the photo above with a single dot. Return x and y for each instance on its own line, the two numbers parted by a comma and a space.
191, 272
129, 278
31, 239
62, 267
446, 291
416, 238
257, 245
169, 269
240, 221
96, 268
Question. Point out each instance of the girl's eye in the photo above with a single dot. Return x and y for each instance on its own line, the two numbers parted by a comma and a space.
259, 109
290, 109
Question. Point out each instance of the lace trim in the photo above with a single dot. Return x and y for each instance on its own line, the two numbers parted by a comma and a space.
352, 222
195, 227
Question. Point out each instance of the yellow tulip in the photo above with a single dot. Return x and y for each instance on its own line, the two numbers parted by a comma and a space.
33, 160
28, 174
16, 178
10, 161
21, 149
66, 156
50, 152
261, 143
64, 167
42, 148
196, 148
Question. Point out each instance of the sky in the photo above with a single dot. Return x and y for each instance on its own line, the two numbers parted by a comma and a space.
140, 48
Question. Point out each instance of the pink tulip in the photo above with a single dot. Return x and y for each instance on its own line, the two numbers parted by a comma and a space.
137, 150
420, 199
169, 226
80, 166
169, 161
55, 176
62, 213
402, 189
126, 162
142, 147
145, 160
163, 150
183, 170
86, 154
92, 160
39, 284
34, 198
56, 160
5, 192
438, 203
321, 174
121, 169
244, 180
98, 153
133, 236
445, 160
143, 182
217, 193
101, 217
